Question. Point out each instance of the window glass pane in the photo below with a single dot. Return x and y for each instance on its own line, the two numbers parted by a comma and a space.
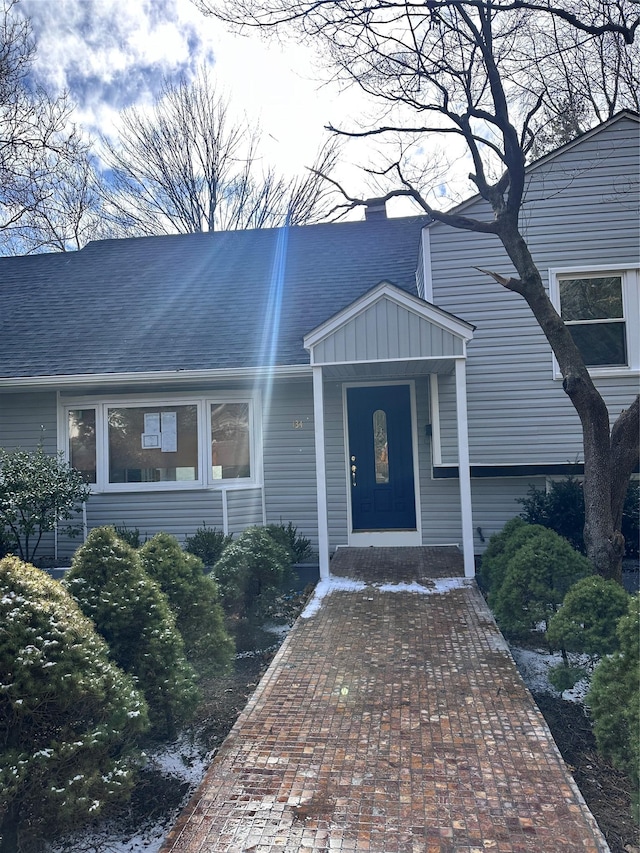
601, 344
230, 444
153, 444
380, 446
82, 442
591, 298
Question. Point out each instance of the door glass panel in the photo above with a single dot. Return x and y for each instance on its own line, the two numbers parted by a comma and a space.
380, 447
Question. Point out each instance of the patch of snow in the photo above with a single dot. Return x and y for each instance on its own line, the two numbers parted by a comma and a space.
326, 587
439, 586
534, 666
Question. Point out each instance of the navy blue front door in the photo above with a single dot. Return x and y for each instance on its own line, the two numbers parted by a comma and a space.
381, 458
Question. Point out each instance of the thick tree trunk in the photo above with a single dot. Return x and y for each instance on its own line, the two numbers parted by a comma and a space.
609, 456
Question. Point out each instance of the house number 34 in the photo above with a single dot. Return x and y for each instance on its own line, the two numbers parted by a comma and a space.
297, 424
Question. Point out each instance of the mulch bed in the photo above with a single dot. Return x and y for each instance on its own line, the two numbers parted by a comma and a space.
606, 791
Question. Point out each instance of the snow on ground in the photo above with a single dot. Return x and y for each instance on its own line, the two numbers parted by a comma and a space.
534, 665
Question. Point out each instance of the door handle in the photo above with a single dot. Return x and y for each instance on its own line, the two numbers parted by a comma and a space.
353, 471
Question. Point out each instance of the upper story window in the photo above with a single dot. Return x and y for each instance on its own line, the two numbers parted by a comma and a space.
601, 309
127, 445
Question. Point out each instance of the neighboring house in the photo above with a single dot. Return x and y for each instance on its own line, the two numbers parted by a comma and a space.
312, 375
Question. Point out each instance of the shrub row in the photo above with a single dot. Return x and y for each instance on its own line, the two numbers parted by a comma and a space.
90, 665
535, 581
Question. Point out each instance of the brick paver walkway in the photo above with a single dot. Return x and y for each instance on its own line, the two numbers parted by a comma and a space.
394, 721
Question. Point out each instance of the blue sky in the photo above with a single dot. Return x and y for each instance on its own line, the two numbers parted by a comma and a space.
111, 54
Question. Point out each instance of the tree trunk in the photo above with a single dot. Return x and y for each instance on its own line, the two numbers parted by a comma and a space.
609, 456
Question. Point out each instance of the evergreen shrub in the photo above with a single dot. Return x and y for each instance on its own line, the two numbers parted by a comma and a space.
586, 621
502, 547
133, 615
561, 508
251, 572
297, 546
194, 599
537, 578
207, 543
585, 624
614, 700
69, 717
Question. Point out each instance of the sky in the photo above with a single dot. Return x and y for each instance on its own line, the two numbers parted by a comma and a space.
112, 54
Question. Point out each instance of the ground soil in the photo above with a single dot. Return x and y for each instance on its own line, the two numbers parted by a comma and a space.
607, 791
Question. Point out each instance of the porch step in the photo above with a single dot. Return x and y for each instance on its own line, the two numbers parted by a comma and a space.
398, 565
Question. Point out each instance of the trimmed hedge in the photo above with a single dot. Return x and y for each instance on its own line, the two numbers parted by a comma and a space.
133, 615
69, 717
537, 576
194, 599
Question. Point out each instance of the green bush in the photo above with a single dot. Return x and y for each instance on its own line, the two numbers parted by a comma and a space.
298, 547
614, 700
585, 624
130, 535
502, 547
537, 578
251, 572
37, 493
561, 508
133, 615
207, 543
69, 717
586, 621
194, 599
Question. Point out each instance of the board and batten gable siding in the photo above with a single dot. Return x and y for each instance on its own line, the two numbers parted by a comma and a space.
581, 209
386, 331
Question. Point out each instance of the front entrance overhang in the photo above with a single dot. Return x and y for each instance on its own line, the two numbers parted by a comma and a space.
390, 335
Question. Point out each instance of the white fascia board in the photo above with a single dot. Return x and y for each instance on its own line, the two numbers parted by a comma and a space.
152, 377
427, 275
418, 359
431, 313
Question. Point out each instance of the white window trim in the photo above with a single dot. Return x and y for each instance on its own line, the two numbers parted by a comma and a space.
203, 402
630, 305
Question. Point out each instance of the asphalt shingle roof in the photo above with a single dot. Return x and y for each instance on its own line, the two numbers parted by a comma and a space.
187, 302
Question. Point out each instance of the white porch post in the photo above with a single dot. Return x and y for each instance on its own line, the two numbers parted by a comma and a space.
464, 468
321, 476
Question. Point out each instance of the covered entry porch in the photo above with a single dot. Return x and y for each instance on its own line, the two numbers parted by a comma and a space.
376, 368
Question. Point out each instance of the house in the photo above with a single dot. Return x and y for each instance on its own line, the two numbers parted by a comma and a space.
361, 379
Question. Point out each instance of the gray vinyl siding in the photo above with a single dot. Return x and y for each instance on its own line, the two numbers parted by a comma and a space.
439, 499
335, 465
244, 509
581, 209
494, 502
289, 459
28, 418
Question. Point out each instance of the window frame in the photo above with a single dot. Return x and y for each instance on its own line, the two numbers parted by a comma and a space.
203, 402
630, 282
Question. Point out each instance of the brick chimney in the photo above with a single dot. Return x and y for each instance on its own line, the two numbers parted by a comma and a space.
375, 209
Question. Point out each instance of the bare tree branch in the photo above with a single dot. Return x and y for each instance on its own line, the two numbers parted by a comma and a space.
188, 167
